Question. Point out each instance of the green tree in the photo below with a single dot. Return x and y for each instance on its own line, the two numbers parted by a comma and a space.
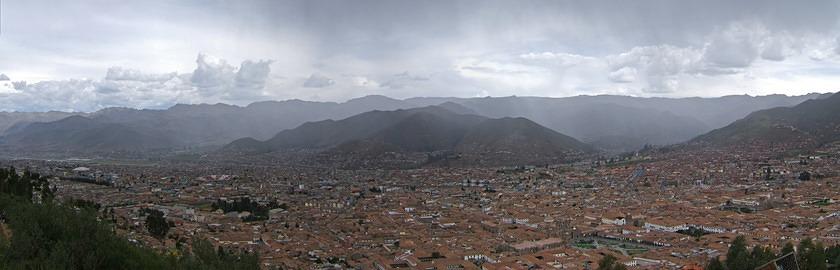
54, 236
738, 258
156, 223
810, 255
788, 248
71, 236
51, 236
806, 245
833, 255
205, 256
715, 264
47, 194
609, 262
814, 257
761, 255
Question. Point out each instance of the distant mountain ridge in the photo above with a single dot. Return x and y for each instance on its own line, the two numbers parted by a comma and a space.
611, 123
622, 123
79, 133
16, 120
815, 120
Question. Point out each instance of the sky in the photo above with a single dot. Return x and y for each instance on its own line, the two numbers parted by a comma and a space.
87, 55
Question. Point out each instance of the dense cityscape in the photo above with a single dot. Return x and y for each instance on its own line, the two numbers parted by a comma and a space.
654, 209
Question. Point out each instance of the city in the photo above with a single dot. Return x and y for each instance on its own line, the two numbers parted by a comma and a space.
672, 210
434, 135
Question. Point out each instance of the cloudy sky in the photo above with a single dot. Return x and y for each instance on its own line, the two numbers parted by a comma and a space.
87, 55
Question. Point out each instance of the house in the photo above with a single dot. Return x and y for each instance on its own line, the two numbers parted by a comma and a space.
614, 219
665, 225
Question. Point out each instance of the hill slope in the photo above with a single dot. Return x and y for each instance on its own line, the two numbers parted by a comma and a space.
82, 134
430, 129
815, 120
622, 123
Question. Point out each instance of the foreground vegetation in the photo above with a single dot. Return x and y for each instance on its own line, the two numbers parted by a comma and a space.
38, 233
809, 255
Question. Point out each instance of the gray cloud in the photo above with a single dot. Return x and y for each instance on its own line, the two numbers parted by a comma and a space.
774, 52
735, 47
252, 74
657, 66
107, 87
318, 81
401, 80
125, 87
624, 74
460, 48
212, 73
837, 46
19, 85
124, 74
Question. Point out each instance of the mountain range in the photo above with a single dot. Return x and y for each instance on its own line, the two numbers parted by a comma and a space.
422, 130
609, 123
622, 123
76, 134
812, 122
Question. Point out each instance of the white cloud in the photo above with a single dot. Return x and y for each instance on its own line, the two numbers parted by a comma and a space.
729, 51
508, 74
561, 59
362, 81
624, 75
214, 77
124, 74
214, 81
655, 68
7, 86
818, 55
212, 73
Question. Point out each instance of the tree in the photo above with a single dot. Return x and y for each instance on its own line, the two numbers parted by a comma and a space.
806, 245
737, 258
761, 255
788, 248
609, 262
812, 255
833, 255
47, 194
715, 264
156, 224
55, 236
22, 185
